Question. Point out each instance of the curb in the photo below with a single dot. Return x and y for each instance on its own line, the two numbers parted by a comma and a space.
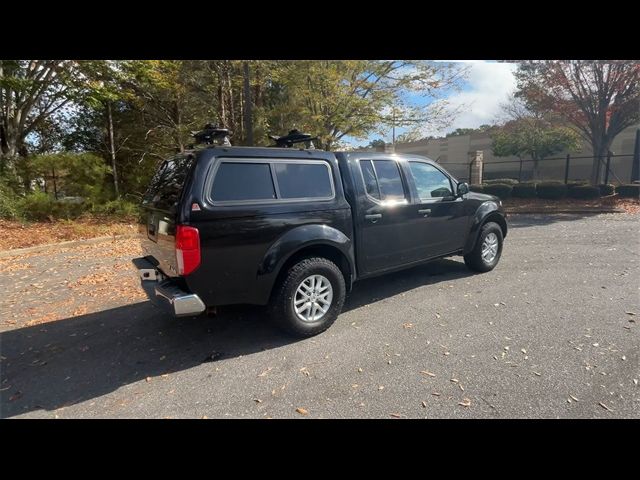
565, 211
70, 243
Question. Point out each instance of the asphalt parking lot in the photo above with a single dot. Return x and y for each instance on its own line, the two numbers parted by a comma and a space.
552, 332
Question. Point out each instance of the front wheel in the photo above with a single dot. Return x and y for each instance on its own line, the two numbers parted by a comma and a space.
486, 253
309, 298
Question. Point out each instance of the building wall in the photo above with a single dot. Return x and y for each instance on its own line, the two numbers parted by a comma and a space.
453, 154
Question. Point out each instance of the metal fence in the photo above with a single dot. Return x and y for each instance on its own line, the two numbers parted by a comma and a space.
616, 169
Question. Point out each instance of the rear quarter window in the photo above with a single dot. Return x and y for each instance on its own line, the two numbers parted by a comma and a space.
243, 181
303, 180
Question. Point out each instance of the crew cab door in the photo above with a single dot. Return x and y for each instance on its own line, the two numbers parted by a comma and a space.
439, 221
383, 216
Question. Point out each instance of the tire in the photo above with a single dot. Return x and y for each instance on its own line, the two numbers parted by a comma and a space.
474, 259
282, 309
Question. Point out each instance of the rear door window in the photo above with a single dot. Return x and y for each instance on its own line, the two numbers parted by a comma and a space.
382, 179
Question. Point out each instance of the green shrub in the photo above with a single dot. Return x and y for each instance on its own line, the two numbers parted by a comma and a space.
551, 190
524, 190
629, 190
9, 202
584, 191
120, 208
476, 188
606, 189
39, 206
507, 181
577, 183
500, 190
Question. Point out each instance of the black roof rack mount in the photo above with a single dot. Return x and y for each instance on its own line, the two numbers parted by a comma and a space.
294, 136
213, 134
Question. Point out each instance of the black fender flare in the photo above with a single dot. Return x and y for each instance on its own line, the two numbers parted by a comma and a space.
301, 237
488, 211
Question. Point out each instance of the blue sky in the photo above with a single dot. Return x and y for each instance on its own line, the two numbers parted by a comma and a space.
488, 84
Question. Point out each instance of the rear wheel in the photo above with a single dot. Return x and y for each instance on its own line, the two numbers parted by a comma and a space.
486, 253
309, 298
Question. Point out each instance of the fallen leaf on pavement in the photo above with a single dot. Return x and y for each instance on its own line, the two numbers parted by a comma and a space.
426, 372
523, 351
381, 387
424, 404
465, 402
302, 411
407, 325
435, 394
15, 396
605, 407
257, 400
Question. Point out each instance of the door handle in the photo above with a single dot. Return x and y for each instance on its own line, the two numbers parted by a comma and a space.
373, 217
424, 212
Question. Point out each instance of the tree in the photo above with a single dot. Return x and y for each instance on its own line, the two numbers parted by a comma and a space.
409, 136
469, 131
534, 137
378, 142
31, 92
332, 99
599, 98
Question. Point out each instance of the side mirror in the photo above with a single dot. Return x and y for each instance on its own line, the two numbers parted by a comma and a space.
463, 188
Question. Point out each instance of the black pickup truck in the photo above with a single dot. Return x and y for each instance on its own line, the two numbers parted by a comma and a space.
295, 228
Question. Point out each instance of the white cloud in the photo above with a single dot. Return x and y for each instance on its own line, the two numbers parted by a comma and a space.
488, 85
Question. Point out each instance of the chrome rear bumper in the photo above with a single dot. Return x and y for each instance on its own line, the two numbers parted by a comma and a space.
165, 292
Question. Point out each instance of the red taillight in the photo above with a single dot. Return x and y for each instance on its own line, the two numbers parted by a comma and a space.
187, 249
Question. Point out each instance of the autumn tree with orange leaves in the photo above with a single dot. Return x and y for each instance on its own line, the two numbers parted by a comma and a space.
598, 98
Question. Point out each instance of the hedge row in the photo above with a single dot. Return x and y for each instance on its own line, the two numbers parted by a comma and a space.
504, 188
39, 206
632, 190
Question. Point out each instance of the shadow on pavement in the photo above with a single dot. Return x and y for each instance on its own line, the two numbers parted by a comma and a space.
523, 220
61, 363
